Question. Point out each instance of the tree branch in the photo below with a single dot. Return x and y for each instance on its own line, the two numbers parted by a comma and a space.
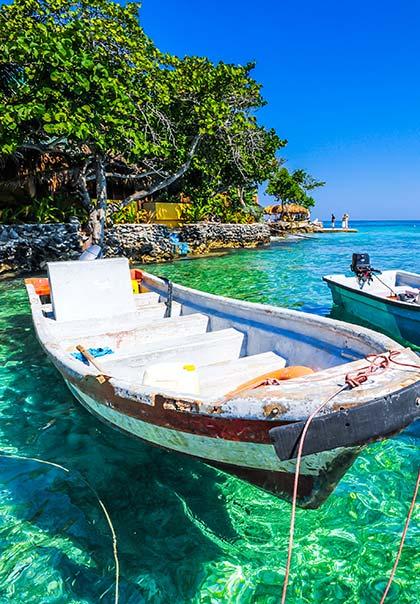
130, 176
163, 184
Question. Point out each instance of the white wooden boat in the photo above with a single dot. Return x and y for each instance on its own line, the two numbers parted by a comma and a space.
390, 303
246, 431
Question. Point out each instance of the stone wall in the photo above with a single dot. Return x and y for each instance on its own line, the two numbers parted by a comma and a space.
211, 235
141, 242
283, 228
26, 248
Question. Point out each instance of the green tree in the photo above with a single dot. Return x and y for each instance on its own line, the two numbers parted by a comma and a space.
292, 187
78, 76
81, 81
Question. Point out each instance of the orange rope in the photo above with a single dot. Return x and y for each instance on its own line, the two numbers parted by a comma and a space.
403, 536
378, 364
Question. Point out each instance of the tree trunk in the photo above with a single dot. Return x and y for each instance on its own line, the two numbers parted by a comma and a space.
84, 193
241, 197
86, 204
97, 216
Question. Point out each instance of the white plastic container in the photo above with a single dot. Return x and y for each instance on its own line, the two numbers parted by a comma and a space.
177, 377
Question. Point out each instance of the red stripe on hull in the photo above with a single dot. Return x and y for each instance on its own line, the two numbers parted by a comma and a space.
235, 429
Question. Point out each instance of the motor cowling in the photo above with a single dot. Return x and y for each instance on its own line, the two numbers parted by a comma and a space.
360, 266
360, 262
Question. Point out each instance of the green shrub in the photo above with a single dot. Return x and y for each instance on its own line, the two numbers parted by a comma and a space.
223, 207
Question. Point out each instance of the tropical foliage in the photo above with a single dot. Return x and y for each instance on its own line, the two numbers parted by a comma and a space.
132, 214
41, 209
81, 83
232, 207
292, 187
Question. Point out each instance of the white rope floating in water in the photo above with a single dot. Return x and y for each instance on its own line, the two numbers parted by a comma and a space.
105, 511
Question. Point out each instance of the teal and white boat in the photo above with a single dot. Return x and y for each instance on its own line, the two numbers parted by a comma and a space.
390, 302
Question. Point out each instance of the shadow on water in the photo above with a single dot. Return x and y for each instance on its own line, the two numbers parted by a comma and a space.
168, 510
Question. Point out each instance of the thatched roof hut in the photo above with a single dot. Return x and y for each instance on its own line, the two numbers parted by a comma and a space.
288, 211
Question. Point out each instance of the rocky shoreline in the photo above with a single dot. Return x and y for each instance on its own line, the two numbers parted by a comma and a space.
26, 248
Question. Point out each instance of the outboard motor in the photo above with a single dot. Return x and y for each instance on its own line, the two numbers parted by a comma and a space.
360, 266
91, 253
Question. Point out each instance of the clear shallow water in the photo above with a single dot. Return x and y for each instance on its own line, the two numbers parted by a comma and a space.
186, 532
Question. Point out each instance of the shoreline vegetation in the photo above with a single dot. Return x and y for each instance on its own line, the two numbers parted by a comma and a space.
97, 123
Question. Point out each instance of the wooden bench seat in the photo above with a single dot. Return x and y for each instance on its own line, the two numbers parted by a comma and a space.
125, 343
146, 299
91, 327
200, 349
220, 378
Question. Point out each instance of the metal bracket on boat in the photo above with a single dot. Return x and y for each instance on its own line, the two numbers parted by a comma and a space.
354, 426
169, 299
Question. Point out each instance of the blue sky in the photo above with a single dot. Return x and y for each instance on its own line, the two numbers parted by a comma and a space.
341, 80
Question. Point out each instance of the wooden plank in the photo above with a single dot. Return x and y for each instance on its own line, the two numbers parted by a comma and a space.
203, 349
145, 299
126, 343
91, 327
221, 378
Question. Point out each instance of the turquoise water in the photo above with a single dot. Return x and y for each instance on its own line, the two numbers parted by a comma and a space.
186, 532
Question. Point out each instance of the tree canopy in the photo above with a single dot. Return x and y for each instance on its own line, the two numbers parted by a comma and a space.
82, 86
292, 187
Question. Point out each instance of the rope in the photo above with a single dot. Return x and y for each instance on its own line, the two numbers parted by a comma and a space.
377, 364
105, 511
386, 285
170, 296
403, 536
295, 489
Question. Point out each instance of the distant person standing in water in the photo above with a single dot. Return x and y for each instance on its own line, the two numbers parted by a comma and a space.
332, 221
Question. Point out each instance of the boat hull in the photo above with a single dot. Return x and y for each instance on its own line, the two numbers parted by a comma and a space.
239, 431
257, 463
396, 320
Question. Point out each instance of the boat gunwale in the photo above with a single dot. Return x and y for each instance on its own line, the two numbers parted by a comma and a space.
369, 337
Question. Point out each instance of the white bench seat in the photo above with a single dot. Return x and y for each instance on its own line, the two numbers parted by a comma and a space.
221, 378
126, 343
157, 310
201, 349
146, 299
92, 327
